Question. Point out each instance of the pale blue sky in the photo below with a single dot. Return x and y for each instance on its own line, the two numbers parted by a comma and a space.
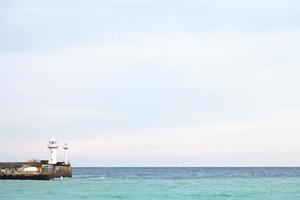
151, 83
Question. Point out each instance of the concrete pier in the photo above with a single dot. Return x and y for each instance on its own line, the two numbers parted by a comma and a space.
38, 170
34, 170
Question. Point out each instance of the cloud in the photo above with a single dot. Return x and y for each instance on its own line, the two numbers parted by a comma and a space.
190, 96
32, 25
201, 144
269, 140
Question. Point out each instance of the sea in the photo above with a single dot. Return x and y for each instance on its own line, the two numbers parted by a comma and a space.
154, 183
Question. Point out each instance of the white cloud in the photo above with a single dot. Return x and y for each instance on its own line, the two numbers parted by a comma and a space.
270, 140
217, 59
265, 137
256, 76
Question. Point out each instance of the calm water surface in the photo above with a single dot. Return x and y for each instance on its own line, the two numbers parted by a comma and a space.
162, 183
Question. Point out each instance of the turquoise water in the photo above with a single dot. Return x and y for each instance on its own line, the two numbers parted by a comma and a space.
159, 183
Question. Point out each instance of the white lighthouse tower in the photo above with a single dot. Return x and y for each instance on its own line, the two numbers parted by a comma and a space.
66, 153
53, 151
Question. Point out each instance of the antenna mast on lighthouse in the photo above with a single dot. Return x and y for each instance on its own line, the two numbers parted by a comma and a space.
66, 153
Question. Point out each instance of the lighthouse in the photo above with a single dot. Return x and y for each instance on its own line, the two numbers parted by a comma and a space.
66, 152
53, 151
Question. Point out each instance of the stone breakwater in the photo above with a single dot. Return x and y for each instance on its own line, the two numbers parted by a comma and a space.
34, 170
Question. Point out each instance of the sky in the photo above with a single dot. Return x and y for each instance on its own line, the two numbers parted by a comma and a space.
151, 83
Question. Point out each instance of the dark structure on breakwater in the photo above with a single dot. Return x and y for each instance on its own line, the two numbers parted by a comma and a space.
38, 170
